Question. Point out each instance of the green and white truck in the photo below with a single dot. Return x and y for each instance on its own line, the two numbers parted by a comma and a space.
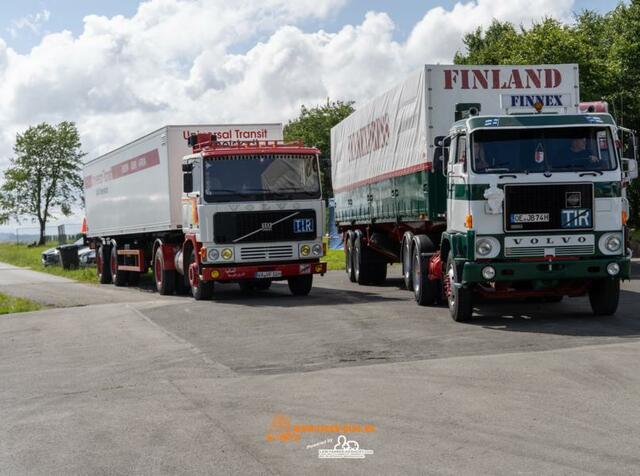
486, 182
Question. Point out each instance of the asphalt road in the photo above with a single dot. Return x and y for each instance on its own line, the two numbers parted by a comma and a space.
127, 382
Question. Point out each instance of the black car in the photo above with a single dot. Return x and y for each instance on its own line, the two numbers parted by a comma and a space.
86, 255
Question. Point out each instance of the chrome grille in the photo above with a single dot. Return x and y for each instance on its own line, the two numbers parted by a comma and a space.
257, 253
539, 251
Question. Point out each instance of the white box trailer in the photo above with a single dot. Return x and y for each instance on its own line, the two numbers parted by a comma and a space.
137, 188
393, 135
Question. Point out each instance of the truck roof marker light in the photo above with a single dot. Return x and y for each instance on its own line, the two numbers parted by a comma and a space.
468, 221
538, 107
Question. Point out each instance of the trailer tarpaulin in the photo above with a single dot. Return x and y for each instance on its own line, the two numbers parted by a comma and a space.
385, 138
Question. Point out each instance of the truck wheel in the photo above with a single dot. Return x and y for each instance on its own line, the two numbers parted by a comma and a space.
262, 284
133, 278
103, 264
301, 285
181, 285
200, 290
460, 299
246, 287
164, 278
407, 259
120, 278
361, 267
604, 295
348, 256
378, 273
424, 290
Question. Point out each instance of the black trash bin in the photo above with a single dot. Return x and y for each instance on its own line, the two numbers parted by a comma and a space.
69, 256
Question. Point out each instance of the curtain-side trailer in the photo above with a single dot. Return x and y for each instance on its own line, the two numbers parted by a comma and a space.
452, 170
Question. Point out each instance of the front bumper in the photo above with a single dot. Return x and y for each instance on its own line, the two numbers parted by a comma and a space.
545, 270
272, 271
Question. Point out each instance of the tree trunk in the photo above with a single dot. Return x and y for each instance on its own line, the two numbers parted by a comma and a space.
43, 224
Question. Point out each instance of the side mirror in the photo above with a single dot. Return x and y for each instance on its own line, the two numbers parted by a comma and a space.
187, 167
630, 168
187, 182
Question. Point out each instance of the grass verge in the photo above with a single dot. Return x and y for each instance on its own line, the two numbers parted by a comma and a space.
334, 259
9, 305
25, 257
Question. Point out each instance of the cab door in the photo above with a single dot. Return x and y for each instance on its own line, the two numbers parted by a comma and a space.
457, 184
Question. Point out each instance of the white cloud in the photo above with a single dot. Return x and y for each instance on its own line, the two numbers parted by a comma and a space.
174, 61
32, 22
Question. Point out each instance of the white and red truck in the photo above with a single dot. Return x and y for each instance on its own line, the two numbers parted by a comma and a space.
206, 203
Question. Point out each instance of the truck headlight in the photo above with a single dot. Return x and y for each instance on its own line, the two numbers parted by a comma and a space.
317, 249
227, 254
613, 269
213, 254
610, 243
613, 243
488, 273
487, 247
305, 250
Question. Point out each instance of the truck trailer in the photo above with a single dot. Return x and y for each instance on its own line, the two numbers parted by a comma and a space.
199, 204
486, 182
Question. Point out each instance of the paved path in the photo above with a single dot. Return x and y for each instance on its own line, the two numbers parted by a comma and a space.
140, 384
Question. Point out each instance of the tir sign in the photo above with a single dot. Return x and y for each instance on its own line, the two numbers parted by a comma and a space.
575, 218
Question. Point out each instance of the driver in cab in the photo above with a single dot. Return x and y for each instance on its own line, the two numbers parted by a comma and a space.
579, 155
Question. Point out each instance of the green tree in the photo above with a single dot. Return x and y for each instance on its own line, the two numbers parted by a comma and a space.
605, 46
44, 176
313, 127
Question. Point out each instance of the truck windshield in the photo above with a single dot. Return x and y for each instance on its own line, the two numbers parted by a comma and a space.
542, 150
261, 177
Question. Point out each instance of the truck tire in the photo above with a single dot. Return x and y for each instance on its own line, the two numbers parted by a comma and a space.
133, 278
103, 264
604, 295
165, 279
361, 260
262, 284
378, 272
120, 278
407, 259
200, 290
424, 290
348, 255
459, 299
181, 285
246, 287
301, 285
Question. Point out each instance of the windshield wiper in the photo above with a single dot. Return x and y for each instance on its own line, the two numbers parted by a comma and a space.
568, 168
595, 173
497, 169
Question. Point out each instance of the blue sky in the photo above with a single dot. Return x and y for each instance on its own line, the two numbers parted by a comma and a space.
232, 61
68, 15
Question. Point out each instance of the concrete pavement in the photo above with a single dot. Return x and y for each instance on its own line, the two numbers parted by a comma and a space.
151, 385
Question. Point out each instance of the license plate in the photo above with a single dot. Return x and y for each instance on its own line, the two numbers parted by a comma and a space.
303, 225
268, 274
529, 217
